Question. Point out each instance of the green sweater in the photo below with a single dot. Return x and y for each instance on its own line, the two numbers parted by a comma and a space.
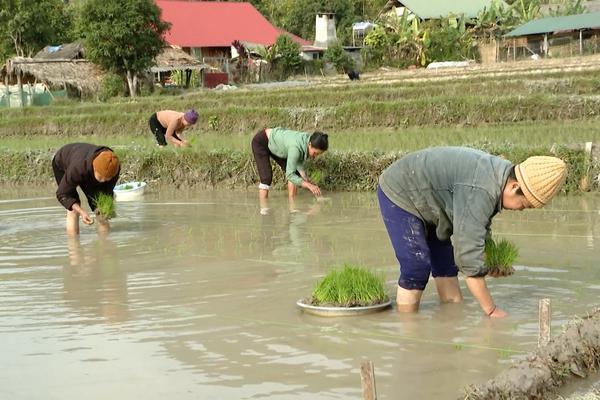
293, 146
456, 191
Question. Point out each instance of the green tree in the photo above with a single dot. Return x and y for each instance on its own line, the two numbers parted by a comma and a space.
448, 39
300, 16
28, 26
123, 36
288, 60
494, 21
336, 55
567, 7
527, 10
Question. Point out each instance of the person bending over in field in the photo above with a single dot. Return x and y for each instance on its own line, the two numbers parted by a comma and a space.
431, 196
95, 169
289, 149
167, 126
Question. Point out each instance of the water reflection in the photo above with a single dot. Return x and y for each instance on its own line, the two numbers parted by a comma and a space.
94, 282
291, 243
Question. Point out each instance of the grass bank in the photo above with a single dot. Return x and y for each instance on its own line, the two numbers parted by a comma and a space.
522, 134
347, 171
436, 111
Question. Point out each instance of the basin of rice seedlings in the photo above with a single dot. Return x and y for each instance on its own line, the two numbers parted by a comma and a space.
350, 286
105, 206
500, 256
351, 290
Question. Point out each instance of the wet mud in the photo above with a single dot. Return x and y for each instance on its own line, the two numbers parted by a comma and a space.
573, 354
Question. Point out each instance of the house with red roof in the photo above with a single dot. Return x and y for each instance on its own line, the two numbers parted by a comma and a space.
208, 28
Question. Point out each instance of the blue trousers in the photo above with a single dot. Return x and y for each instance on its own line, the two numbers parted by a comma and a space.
418, 250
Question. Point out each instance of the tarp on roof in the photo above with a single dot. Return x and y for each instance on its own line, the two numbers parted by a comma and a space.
433, 9
557, 24
68, 51
215, 24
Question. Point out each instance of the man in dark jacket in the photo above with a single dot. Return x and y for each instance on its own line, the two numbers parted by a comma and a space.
434, 195
95, 169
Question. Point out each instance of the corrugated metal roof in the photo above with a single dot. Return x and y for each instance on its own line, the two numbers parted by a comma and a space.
432, 9
556, 24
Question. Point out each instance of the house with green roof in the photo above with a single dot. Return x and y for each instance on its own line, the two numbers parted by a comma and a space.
435, 9
559, 36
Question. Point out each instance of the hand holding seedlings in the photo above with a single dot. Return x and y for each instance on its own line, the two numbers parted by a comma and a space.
85, 217
499, 257
105, 206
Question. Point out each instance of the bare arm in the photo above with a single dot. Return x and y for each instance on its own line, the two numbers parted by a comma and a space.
84, 215
171, 129
478, 288
303, 175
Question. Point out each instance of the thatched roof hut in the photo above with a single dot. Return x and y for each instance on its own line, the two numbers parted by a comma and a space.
174, 59
78, 76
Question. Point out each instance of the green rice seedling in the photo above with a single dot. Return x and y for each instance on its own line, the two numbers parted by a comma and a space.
500, 256
105, 206
316, 176
351, 286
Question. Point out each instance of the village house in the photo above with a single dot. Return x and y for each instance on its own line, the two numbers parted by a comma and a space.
207, 29
435, 9
565, 36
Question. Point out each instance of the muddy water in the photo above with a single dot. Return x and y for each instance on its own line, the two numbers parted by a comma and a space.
192, 296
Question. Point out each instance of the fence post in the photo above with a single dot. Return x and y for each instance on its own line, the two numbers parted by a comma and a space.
367, 379
544, 323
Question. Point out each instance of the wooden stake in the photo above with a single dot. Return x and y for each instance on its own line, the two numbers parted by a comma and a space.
367, 379
544, 334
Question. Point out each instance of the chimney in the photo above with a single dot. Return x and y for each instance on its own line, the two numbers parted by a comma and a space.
325, 29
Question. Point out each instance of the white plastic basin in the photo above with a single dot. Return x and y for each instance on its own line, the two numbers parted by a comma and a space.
129, 191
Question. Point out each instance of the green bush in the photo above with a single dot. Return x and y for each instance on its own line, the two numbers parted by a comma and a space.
112, 85
336, 55
288, 60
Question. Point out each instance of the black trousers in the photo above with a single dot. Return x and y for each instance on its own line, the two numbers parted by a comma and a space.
262, 156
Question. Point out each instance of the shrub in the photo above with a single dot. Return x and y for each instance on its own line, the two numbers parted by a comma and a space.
112, 86
336, 55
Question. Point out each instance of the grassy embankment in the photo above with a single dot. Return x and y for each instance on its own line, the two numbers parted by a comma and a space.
370, 125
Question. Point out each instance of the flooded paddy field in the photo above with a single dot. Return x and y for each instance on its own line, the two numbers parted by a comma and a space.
192, 296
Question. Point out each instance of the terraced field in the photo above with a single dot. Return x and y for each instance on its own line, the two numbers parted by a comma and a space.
510, 109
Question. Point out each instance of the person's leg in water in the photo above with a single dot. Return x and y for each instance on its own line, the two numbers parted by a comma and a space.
72, 220
260, 150
444, 269
408, 236
292, 189
72, 223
